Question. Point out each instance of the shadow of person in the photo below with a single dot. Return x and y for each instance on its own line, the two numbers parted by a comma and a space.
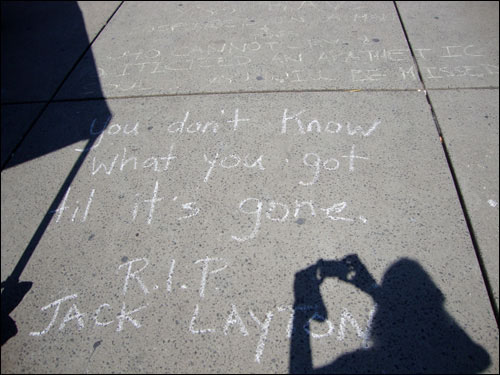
410, 332
41, 44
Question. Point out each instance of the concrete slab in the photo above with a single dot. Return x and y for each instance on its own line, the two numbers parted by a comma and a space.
42, 40
95, 14
16, 119
51, 139
469, 122
152, 48
182, 249
455, 42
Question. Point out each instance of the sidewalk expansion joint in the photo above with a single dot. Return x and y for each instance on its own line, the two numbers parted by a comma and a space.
255, 93
248, 92
468, 221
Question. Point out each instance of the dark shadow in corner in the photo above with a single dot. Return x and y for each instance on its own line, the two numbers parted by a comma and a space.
42, 41
410, 331
59, 25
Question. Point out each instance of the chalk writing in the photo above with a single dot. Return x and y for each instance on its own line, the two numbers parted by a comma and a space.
231, 161
313, 160
279, 212
63, 206
113, 129
74, 314
265, 330
153, 163
234, 323
291, 58
205, 273
482, 70
190, 208
200, 127
133, 275
331, 127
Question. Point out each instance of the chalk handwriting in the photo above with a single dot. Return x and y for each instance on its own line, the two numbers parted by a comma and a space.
231, 161
113, 129
314, 161
296, 120
63, 206
204, 127
279, 212
236, 322
74, 314
292, 58
152, 163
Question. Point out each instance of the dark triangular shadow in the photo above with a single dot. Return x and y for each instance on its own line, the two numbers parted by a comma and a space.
42, 41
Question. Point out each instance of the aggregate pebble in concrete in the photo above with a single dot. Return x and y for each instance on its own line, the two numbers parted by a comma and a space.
192, 238
469, 122
174, 47
455, 42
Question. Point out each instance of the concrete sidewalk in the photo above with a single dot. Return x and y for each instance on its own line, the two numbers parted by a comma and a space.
250, 187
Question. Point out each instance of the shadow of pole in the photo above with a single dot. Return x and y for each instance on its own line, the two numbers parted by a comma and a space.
410, 332
13, 290
60, 15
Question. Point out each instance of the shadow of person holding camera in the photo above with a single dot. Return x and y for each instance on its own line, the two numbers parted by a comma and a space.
410, 332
